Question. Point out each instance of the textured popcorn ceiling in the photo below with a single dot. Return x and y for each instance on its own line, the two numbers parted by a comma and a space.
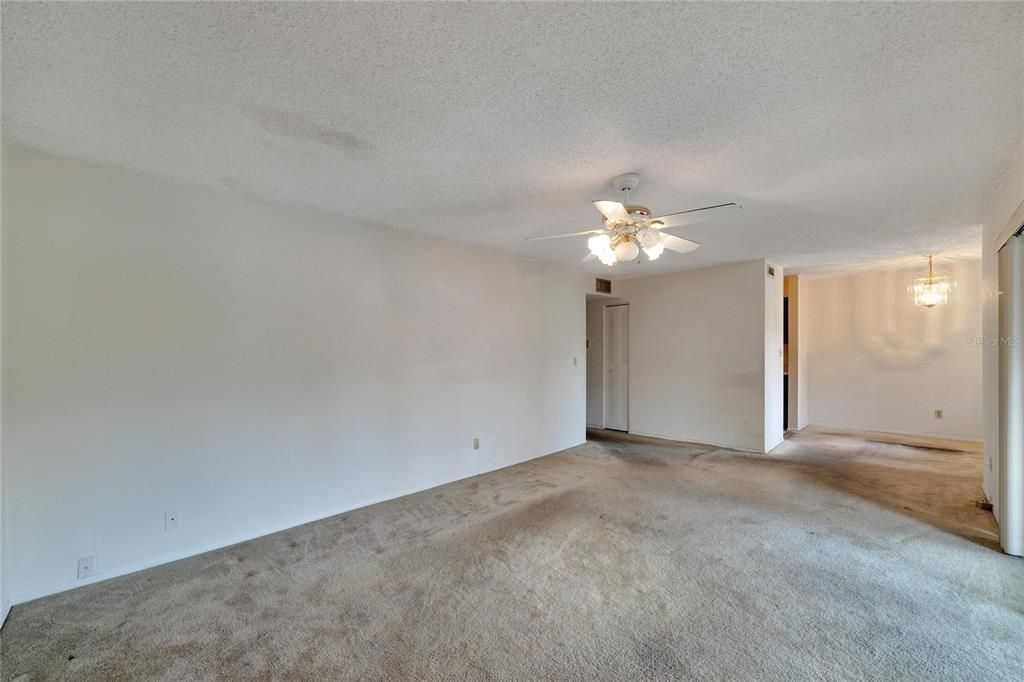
848, 131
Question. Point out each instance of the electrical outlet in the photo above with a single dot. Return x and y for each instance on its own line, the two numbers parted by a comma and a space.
86, 567
476, 443
171, 520
938, 414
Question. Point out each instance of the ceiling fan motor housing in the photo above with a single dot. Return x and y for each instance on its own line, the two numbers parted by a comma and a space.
626, 181
642, 210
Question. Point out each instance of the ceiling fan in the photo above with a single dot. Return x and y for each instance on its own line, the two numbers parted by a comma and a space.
630, 228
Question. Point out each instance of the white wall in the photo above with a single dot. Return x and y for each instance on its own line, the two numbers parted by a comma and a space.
250, 366
802, 408
697, 355
878, 362
774, 391
1005, 202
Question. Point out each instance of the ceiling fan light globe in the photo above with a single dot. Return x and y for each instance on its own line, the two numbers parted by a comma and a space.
654, 252
648, 237
598, 244
607, 257
627, 250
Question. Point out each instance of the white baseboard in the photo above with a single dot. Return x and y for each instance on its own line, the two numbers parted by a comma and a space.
965, 444
674, 439
134, 567
5, 608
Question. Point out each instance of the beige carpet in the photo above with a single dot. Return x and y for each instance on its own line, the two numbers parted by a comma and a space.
833, 558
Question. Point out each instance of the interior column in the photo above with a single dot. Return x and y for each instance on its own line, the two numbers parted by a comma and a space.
1011, 395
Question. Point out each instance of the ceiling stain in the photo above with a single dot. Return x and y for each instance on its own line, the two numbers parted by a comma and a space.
300, 127
249, 186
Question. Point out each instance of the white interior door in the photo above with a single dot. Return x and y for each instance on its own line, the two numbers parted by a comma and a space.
616, 367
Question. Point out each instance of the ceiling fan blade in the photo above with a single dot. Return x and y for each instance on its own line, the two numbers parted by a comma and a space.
678, 244
613, 211
567, 234
695, 215
589, 257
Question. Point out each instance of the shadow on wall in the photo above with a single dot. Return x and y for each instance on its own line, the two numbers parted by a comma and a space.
879, 322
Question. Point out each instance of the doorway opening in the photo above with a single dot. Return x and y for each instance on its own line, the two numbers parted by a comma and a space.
794, 353
616, 367
785, 363
607, 362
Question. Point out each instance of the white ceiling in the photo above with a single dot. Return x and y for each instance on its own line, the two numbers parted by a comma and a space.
848, 131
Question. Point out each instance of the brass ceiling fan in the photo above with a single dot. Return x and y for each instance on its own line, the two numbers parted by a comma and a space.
630, 228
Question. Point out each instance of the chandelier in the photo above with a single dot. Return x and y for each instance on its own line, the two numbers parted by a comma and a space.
933, 288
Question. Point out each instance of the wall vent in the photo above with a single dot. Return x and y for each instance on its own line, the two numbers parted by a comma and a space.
604, 286
771, 271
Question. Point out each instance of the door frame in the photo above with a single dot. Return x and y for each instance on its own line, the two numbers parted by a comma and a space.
604, 368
